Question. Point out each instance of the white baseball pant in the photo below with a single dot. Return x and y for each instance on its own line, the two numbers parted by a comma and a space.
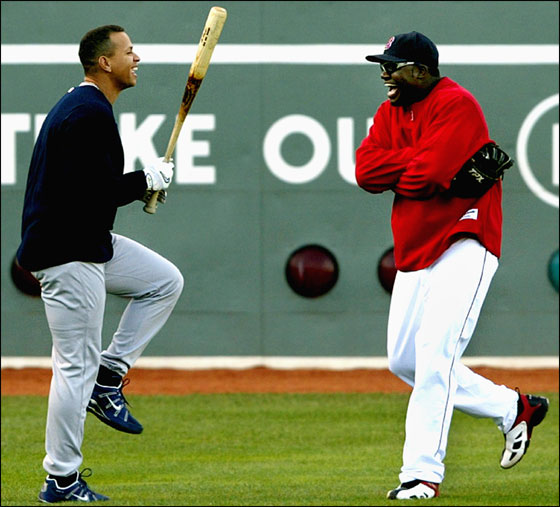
74, 297
432, 316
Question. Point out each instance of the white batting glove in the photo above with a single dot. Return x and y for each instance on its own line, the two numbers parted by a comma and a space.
159, 174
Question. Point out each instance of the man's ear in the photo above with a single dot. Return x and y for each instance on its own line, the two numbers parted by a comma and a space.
104, 63
421, 71
422, 74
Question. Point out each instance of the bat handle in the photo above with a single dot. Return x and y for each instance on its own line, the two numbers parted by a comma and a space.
151, 205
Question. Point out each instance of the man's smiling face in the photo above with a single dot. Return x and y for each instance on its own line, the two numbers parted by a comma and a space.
404, 83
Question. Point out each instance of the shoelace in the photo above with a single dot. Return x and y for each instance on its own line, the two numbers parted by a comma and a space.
86, 472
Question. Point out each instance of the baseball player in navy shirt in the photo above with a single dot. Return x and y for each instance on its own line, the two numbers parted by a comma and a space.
74, 188
447, 244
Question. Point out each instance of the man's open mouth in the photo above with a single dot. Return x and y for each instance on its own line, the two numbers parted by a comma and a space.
392, 91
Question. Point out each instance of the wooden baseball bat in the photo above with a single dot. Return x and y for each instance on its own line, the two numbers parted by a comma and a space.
210, 35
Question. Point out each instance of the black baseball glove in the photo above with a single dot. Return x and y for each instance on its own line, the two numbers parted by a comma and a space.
480, 172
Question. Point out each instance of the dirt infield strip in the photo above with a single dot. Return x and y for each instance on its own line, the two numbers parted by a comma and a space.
36, 381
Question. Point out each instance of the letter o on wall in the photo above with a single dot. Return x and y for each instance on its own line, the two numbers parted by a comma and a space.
296, 124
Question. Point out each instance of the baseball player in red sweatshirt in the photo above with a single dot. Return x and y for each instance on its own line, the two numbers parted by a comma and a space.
429, 144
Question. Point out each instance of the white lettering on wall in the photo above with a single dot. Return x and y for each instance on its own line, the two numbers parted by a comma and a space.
138, 141
138, 144
522, 152
38, 122
277, 134
346, 150
555, 161
186, 172
11, 124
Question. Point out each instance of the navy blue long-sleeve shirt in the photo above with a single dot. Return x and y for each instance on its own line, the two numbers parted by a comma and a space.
75, 184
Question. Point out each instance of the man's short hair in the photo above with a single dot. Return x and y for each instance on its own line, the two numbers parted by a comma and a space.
96, 43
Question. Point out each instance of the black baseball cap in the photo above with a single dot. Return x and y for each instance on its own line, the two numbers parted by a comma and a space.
408, 47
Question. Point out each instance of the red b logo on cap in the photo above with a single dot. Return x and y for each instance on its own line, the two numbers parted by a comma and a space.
389, 42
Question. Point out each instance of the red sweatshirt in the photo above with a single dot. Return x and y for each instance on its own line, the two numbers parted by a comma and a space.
416, 152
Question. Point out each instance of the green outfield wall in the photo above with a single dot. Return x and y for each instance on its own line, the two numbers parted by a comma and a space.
265, 162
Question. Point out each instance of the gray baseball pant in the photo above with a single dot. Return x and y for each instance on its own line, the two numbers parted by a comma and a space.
74, 297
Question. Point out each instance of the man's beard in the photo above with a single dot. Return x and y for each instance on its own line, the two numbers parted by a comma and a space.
409, 94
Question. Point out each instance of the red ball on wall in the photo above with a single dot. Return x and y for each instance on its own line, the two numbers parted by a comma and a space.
311, 271
386, 270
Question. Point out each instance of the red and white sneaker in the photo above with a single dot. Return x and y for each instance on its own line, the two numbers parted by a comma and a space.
531, 410
414, 489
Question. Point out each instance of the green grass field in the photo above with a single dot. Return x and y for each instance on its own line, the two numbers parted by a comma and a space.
275, 449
